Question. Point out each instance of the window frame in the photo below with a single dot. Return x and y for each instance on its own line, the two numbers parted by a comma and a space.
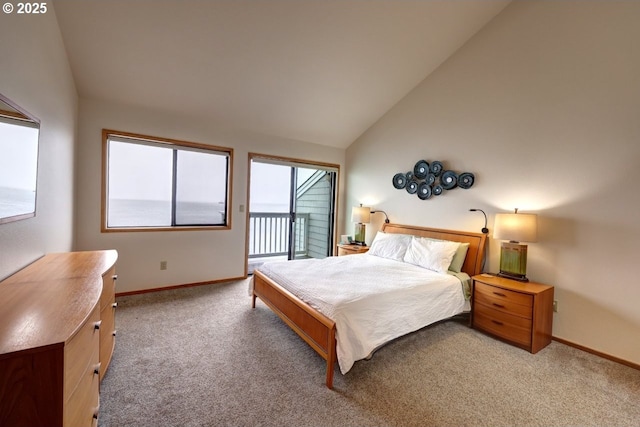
172, 144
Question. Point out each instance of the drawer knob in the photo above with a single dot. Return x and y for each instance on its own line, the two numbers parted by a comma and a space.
114, 305
96, 325
96, 369
114, 277
498, 305
114, 333
497, 322
499, 294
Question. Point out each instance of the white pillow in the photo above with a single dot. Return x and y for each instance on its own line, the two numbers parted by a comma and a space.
431, 254
390, 245
458, 259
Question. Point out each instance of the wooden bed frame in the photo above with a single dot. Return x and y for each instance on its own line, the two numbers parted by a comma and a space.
318, 330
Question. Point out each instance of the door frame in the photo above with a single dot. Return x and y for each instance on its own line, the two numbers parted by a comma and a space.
293, 162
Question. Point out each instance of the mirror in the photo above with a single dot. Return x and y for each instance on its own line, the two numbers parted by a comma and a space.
19, 132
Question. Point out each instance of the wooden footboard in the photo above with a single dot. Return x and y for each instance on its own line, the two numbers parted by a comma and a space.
315, 328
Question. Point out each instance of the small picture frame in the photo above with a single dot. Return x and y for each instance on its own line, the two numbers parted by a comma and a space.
346, 239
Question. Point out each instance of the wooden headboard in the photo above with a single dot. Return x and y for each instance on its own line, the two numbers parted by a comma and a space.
477, 242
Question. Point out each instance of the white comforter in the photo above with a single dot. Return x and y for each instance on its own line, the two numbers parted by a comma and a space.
372, 300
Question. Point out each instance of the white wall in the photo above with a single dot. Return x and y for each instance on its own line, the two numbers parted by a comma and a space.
192, 256
543, 105
35, 74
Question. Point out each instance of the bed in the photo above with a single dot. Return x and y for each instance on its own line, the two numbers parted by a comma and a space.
315, 322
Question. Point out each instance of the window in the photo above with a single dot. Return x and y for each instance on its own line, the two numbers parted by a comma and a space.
18, 162
157, 183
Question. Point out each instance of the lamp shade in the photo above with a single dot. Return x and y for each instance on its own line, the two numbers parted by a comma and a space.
516, 227
360, 214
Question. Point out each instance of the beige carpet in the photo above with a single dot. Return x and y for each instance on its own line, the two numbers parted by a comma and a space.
202, 357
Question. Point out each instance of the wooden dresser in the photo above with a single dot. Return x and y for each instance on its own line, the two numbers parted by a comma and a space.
518, 312
57, 325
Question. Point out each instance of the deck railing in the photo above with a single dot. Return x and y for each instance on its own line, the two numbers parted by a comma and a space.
269, 234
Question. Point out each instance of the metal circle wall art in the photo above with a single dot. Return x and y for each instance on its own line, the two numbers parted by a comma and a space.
431, 179
424, 191
465, 180
399, 181
421, 169
436, 168
412, 186
449, 180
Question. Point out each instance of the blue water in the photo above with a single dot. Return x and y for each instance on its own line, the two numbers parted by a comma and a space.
157, 213
14, 201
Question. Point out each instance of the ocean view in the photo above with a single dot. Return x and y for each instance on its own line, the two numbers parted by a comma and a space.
157, 213
15, 201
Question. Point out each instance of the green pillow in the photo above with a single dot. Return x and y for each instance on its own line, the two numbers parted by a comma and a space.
458, 259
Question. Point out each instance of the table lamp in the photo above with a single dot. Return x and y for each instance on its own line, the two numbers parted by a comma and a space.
360, 215
515, 228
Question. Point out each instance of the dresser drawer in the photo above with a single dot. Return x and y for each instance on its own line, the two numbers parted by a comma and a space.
82, 405
107, 335
510, 327
504, 304
108, 287
81, 352
504, 296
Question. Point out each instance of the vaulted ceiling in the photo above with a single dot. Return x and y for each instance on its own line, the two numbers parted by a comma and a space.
320, 71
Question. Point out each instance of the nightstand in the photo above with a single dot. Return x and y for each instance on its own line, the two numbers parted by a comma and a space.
518, 312
346, 249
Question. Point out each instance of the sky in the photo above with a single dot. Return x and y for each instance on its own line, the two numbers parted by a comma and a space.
18, 161
201, 176
271, 184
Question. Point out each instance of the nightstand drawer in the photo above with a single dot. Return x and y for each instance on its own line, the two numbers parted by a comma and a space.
351, 249
513, 328
506, 304
503, 295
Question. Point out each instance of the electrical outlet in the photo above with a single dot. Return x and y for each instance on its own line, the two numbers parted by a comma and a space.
163, 265
555, 306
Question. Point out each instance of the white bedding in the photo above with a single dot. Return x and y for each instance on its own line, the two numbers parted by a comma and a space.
372, 300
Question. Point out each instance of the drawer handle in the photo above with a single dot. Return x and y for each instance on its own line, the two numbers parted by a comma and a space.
114, 277
498, 305
96, 410
96, 369
114, 305
96, 325
497, 322
499, 294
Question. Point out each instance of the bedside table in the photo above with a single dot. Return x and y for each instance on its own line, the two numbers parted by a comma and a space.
346, 249
518, 312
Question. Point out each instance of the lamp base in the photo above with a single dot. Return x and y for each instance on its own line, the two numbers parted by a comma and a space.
359, 234
512, 276
513, 261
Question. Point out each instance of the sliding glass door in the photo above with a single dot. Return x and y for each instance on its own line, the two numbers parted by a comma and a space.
291, 210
